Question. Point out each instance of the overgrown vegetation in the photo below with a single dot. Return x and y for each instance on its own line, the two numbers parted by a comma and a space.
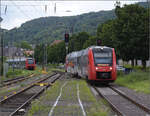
24, 45
43, 105
8, 90
138, 81
21, 72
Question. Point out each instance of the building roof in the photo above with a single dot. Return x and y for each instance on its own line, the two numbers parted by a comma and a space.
11, 51
56, 42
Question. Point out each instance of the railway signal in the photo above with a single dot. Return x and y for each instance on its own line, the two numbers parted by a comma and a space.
66, 37
2, 60
1, 19
66, 42
98, 42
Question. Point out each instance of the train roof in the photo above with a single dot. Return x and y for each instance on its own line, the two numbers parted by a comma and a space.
85, 51
72, 54
30, 58
102, 47
17, 59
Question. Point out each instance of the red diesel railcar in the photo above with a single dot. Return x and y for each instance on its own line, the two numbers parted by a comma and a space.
30, 64
96, 63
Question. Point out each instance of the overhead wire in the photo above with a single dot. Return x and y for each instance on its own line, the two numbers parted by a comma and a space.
23, 5
0, 17
37, 12
5, 9
18, 7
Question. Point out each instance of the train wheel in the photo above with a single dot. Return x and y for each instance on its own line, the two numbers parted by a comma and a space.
76, 75
79, 77
87, 80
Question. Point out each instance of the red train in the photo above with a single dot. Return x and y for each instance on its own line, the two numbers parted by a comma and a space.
96, 63
30, 64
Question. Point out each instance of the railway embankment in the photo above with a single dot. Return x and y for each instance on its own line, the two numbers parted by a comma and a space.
138, 81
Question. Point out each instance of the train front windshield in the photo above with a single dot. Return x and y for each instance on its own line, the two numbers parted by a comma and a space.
30, 61
103, 58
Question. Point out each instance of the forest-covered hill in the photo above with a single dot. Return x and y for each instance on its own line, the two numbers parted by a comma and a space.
48, 29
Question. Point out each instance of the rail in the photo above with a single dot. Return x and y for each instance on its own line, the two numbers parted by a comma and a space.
40, 89
121, 109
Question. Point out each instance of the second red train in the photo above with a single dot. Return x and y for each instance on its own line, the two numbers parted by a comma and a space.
30, 64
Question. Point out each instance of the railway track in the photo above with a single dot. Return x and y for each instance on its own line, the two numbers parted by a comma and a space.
15, 105
15, 80
122, 104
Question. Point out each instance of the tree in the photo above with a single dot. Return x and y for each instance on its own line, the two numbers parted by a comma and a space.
25, 45
57, 53
143, 39
77, 41
91, 41
38, 53
106, 34
131, 33
128, 33
72, 43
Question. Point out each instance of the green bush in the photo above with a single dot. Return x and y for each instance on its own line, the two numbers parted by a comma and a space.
127, 66
138, 80
53, 65
136, 76
11, 73
120, 73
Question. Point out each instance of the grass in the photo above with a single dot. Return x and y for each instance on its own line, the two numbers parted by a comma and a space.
96, 108
138, 81
21, 72
69, 96
56, 69
136, 67
7, 90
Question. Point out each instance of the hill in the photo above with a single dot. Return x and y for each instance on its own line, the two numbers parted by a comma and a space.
48, 29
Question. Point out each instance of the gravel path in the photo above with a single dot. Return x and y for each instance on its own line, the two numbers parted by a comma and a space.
125, 106
138, 96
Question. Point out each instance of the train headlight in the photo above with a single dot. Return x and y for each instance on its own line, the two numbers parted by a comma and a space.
110, 68
96, 68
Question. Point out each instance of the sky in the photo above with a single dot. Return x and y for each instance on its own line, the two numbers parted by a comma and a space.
14, 13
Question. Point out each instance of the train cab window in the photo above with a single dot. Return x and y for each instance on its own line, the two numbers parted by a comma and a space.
30, 61
103, 58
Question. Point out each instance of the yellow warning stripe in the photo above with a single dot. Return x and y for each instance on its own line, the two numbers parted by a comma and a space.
43, 84
5, 97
